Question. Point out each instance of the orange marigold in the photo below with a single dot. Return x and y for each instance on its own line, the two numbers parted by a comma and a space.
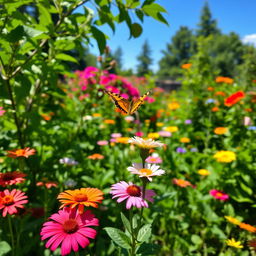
95, 156
26, 152
220, 93
215, 109
80, 198
186, 65
223, 79
220, 130
181, 183
123, 140
247, 227
185, 140
210, 89
109, 121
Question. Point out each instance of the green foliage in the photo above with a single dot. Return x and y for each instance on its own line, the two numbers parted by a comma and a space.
144, 60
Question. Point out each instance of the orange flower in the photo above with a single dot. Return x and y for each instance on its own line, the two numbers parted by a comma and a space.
185, 140
220, 130
215, 109
95, 156
181, 183
210, 89
109, 121
96, 115
46, 117
173, 105
234, 98
186, 65
123, 140
223, 79
80, 198
47, 184
248, 110
220, 93
26, 152
248, 227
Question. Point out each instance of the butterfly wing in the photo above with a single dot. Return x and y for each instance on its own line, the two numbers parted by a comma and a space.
120, 102
137, 103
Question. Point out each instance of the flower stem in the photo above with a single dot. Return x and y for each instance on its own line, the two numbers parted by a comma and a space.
12, 236
77, 253
132, 233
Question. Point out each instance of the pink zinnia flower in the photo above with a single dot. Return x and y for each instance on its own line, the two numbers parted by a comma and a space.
102, 142
219, 195
154, 160
131, 193
139, 134
165, 134
11, 178
69, 229
116, 135
2, 111
11, 200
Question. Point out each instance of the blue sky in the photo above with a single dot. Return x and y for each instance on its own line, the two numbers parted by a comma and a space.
232, 15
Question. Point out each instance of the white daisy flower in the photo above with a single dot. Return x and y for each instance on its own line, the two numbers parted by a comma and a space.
148, 171
145, 143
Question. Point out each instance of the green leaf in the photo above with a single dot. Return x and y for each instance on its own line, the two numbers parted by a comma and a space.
44, 17
136, 30
147, 249
196, 239
153, 8
65, 57
144, 233
4, 248
126, 223
16, 34
119, 237
31, 32
100, 38
139, 14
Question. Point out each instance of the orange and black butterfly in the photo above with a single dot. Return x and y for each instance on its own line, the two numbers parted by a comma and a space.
126, 106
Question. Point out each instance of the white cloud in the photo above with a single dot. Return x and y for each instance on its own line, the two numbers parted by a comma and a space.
250, 39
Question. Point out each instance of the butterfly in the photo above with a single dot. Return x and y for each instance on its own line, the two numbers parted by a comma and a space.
126, 106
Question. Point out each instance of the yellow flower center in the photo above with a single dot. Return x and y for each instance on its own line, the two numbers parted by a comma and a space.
70, 226
80, 197
219, 194
145, 171
20, 152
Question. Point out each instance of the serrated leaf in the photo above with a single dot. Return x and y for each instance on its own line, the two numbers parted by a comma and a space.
100, 38
126, 223
4, 248
136, 30
65, 57
119, 237
144, 233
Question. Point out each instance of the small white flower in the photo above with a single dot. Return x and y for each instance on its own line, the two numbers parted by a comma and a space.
87, 118
129, 118
148, 171
68, 161
145, 143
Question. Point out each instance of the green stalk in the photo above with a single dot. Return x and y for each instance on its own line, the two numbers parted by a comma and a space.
12, 236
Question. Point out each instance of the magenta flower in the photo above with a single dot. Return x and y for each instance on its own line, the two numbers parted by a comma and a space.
2, 111
219, 195
69, 229
131, 193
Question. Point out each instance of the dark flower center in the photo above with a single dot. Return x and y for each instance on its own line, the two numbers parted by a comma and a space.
70, 226
7, 177
134, 190
81, 197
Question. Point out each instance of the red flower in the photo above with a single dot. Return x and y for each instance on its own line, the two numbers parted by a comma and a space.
11, 178
234, 98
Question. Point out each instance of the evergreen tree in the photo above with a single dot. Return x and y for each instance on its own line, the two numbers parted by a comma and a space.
207, 25
118, 57
178, 52
145, 60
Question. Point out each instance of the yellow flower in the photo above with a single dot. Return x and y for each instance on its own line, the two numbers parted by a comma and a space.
158, 124
232, 242
96, 115
232, 220
220, 130
171, 129
203, 172
109, 121
153, 135
123, 140
185, 140
225, 156
173, 105
129, 129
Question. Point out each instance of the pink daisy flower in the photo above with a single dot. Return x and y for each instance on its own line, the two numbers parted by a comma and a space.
148, 171
102, 142
154, 160
131, 193
165, 134
69, 229
219, 195
11, 200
